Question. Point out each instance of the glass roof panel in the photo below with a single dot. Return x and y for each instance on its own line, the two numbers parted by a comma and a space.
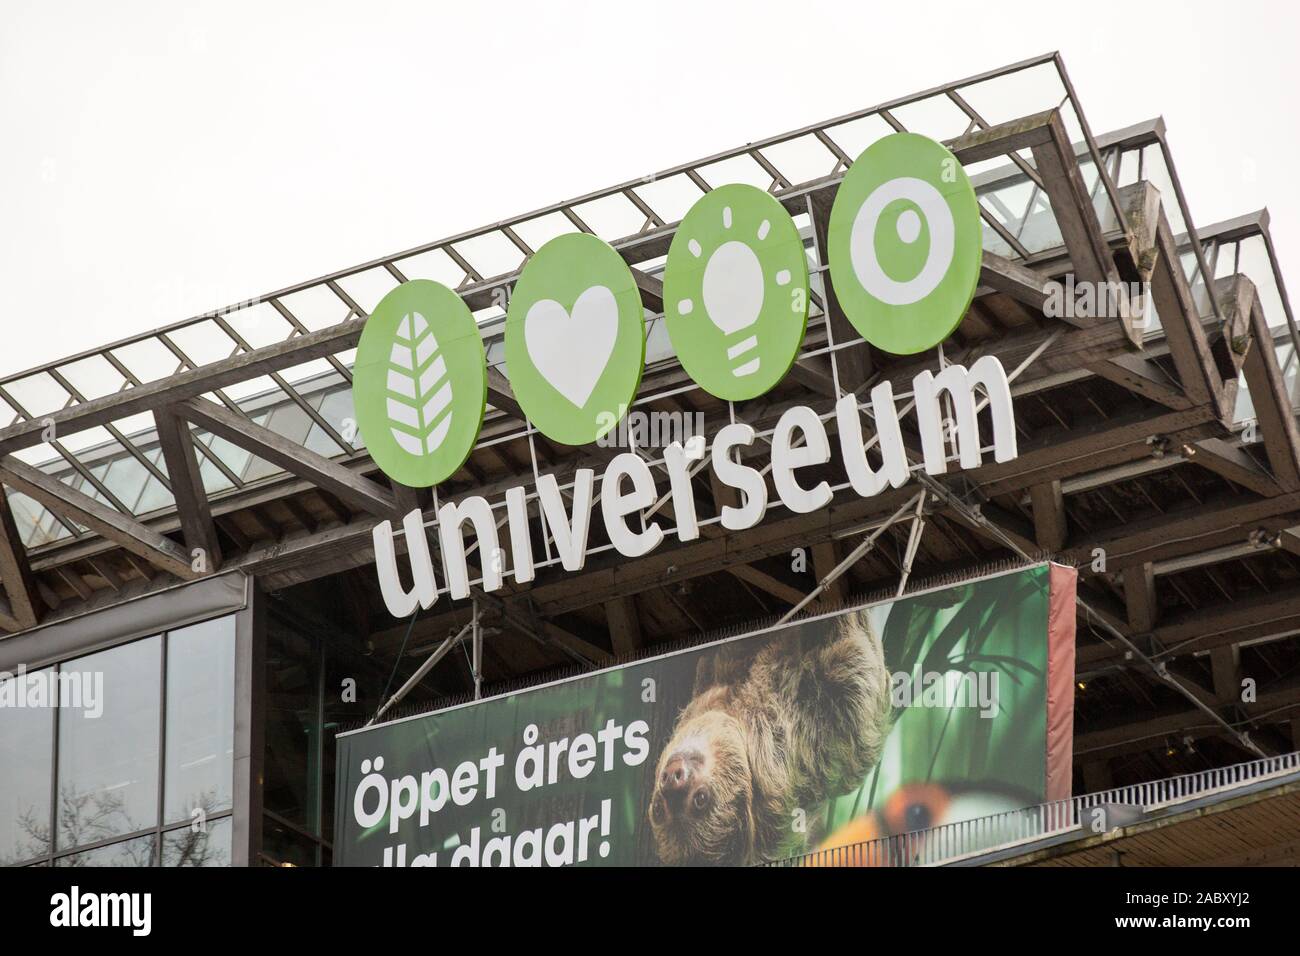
131, 483
434, 264
203, 342
78, 442
248, 390
259, 324
148, 359
38, 394
336, 408
538, 231
491, 254
1039, 230
612, 217
36, 525
214, 479
1254, 262
1003, 98
737, 169
93, 376
316, 307
937, 117
856, 135
309, 374
230, 455
802, 159
670, 197
367, 288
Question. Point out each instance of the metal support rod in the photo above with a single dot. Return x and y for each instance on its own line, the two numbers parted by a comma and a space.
438, 654
477, 665
913, 544
867, 544
1156, 667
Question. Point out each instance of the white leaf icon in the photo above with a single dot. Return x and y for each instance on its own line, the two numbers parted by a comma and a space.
419, 391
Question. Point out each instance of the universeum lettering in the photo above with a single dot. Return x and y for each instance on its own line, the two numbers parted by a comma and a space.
904, 252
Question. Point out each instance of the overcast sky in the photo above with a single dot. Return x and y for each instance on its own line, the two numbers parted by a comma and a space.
163, 159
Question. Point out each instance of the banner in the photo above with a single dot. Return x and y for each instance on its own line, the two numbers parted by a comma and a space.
939, 706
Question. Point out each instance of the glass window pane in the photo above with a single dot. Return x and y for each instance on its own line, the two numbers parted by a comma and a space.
200, 738
210, 847
108, 755
292, 770
137, 852
26, 768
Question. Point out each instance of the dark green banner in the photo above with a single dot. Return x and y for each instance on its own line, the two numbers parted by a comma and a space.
835, 730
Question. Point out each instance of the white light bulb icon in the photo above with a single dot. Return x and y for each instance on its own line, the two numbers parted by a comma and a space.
732, 293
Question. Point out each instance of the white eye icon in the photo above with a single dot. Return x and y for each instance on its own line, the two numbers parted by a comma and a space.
862, 240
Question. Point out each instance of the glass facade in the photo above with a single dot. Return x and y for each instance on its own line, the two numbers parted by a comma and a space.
123, 757
317, 682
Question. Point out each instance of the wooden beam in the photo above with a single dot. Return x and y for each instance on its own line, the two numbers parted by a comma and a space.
1002, 526
652, 290
24, 606
1103, 443
1236, 295
77, 506
408, 499
1050, 529
824, 561
291, 456
1022, 283
184, 385
501, 396
1233, 463
1013, 136
1225, 666
814, 374
1206, 628
624, 626
765, 582
1269, 395
1072, 205
554, 634
1193, 528
187, 486
1140, 597
1181, 321
1143, 377
1147, 733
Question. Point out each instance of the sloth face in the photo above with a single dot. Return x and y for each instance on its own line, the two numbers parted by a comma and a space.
701, 810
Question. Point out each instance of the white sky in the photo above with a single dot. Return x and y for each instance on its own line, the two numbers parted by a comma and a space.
162, 159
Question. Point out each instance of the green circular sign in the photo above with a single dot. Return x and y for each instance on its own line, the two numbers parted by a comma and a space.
575, 338
904, 243
419, 384
736, 292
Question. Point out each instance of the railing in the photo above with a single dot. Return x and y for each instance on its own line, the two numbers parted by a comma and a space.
953, 841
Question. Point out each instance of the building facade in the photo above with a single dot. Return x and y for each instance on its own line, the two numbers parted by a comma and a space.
192, 609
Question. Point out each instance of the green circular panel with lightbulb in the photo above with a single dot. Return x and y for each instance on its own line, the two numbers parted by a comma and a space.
736, 292
575, 338
904, 243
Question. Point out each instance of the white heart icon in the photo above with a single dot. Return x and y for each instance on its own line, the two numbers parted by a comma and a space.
571, 349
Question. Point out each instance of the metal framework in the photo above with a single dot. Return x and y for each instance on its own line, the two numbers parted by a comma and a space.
226, 441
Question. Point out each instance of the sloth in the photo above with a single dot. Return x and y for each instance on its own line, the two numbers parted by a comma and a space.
785, 724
